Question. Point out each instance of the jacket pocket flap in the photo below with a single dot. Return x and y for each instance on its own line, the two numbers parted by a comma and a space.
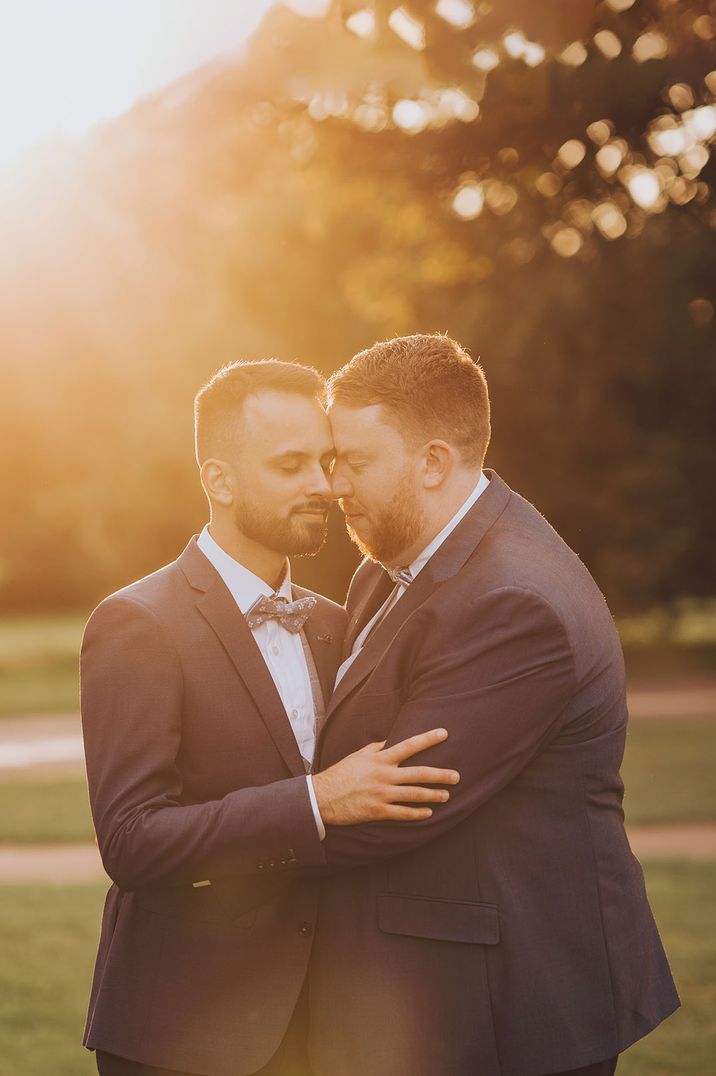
444, 920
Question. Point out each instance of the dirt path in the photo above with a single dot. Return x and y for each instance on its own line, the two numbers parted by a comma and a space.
61, 864
672, 700
46, 744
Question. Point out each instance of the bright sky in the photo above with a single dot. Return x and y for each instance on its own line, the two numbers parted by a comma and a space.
65, 64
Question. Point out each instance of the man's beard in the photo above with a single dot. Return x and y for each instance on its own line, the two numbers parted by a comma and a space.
393, 530
291, 535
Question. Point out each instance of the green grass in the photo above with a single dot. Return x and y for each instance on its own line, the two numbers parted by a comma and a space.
668, 771
38, 663
668, 644
28, 638
690, 622
48, 937
35, 811
681, 896
52, 688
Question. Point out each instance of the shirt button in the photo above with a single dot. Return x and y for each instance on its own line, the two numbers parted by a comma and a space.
306, 929
275, 650
294, 713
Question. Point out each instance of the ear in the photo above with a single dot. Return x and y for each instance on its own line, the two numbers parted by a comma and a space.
216, 480
438, 462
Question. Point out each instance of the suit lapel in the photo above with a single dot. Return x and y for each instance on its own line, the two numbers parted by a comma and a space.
367, 607
219, 609
452, 555
324, 645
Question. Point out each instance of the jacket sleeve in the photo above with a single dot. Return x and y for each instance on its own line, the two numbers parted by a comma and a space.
131, 700
498, 677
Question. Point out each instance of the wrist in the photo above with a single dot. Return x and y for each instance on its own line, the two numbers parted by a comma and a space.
321, 790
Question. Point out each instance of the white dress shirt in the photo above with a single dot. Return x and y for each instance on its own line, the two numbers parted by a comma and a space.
281, 649
415, 568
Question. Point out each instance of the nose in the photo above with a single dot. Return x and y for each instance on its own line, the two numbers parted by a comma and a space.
340, 486
319, 485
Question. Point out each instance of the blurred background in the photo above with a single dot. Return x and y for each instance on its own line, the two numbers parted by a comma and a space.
183, 184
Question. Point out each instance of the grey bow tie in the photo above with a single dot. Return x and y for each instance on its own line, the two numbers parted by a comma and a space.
290, 615
400, 575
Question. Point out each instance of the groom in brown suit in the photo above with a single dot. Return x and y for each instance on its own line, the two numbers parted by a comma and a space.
509, 934
203, 690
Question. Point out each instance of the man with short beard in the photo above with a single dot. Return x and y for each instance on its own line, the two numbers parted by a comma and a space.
203, 689
509, 934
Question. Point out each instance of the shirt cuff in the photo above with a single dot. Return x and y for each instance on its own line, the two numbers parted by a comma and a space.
314, 806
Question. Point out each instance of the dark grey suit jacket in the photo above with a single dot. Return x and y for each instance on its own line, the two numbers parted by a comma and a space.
509, 934
195, 775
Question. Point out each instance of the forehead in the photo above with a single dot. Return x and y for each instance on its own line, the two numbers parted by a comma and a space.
276, 422
364, 428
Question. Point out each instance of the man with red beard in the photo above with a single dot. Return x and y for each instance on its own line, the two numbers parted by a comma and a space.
509, 934
203, 688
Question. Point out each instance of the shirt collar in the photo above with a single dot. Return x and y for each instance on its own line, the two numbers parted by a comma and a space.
245, 587
422, 559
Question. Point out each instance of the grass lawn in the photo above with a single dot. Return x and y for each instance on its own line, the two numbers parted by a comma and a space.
48, 937
668, 771
682, 898
39, 663
44, 811
52, 688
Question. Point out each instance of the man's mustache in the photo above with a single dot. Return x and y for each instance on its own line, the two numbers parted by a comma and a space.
349, 509
317, 505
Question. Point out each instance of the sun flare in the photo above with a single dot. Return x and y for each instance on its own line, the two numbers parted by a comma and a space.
66, 66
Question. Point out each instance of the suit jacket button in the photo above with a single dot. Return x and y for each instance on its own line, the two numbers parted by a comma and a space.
260, 866
306, 929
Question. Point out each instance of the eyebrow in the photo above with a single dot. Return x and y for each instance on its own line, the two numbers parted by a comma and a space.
352, 454
297, 454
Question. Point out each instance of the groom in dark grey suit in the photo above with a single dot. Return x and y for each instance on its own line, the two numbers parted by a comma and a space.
203, 688
509, 934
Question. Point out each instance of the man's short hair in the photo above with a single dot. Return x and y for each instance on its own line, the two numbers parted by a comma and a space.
218, 405
429, 386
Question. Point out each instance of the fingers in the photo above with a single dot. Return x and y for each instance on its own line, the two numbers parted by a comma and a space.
371, 748
395, 813
425, 775
407, 748
418, 794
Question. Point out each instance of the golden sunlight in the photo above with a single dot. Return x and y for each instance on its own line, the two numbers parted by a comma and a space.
66, 66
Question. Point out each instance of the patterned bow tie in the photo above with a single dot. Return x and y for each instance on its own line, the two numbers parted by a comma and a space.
290, 615
403, 576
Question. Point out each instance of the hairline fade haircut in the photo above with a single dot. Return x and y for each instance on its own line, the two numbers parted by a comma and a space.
429, 387
219, 403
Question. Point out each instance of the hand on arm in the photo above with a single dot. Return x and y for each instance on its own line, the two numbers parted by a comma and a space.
371, 784
132, 698
498, 681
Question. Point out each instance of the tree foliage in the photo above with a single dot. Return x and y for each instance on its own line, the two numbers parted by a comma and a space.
513, 180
